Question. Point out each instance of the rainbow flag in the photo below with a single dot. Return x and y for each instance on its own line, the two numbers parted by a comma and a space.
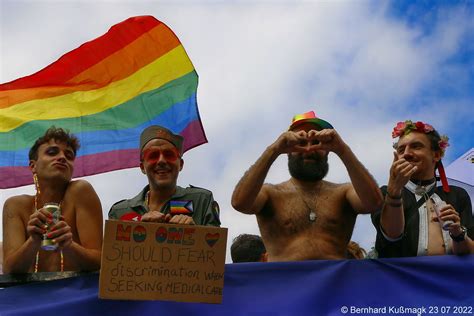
105, 92
181, 207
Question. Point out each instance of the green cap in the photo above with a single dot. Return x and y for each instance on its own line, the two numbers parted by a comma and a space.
160, 132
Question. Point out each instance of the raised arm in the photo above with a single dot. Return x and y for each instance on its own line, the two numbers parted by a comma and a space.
20, 246
250, 194
85, 253
364, 195
392, 218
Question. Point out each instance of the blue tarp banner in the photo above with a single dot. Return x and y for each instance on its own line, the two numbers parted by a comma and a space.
441, 285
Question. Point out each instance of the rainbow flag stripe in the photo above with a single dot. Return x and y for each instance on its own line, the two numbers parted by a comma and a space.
181, 207
105, 92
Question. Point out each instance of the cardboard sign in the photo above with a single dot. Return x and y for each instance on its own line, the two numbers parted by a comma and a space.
155, 261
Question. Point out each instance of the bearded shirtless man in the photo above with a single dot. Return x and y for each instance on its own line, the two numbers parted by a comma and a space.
307, 217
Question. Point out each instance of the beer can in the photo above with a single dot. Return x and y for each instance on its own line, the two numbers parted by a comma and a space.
55, 211
438, 205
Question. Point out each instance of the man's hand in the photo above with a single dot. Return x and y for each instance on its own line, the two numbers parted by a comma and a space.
291, 142
157, 217
61, 234
400, 173
326, 139
38, 224
182, 219
448, 213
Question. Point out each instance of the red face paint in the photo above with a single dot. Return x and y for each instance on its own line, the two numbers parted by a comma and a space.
153, 155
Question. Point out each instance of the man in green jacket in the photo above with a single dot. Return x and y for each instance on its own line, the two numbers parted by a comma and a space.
162, 200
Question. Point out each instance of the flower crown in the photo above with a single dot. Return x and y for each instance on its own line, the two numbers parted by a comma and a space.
405, 128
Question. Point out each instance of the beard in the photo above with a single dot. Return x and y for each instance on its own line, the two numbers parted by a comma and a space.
309, 171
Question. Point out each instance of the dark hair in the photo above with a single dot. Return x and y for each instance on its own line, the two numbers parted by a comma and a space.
434, 138
57, 134
247, 248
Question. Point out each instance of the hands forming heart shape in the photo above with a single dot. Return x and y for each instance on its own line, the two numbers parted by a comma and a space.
310, 141
306, 141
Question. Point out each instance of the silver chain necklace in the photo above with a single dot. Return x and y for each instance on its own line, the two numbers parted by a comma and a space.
312, 213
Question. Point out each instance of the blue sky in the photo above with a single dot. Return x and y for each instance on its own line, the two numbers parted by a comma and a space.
361, 65
456, 80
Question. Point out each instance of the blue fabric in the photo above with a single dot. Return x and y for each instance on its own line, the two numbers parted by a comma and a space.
297, 288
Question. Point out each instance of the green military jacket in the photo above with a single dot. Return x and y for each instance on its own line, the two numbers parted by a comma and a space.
192, 201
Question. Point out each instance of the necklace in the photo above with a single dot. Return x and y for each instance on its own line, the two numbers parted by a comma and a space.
422, 189
37, 254
312, 213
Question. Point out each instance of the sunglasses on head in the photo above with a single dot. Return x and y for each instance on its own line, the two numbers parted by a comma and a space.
153, 155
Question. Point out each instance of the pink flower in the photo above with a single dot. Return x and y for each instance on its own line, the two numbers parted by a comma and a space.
420, 126
405, 128
398, 129
444, 142
428, 128
401, 125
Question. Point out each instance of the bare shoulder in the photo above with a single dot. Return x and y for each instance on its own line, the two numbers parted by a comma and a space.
340, 187
338, 191
80, 186
19, 201
278, 193
277, 188
342, 193
18, 204
82, 194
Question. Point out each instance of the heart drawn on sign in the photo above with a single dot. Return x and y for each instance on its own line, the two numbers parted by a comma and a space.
211, 239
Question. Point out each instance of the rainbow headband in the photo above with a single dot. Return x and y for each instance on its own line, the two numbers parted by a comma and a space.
405, 128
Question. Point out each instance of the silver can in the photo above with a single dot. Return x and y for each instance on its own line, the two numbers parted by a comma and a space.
438, 205
55, 210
